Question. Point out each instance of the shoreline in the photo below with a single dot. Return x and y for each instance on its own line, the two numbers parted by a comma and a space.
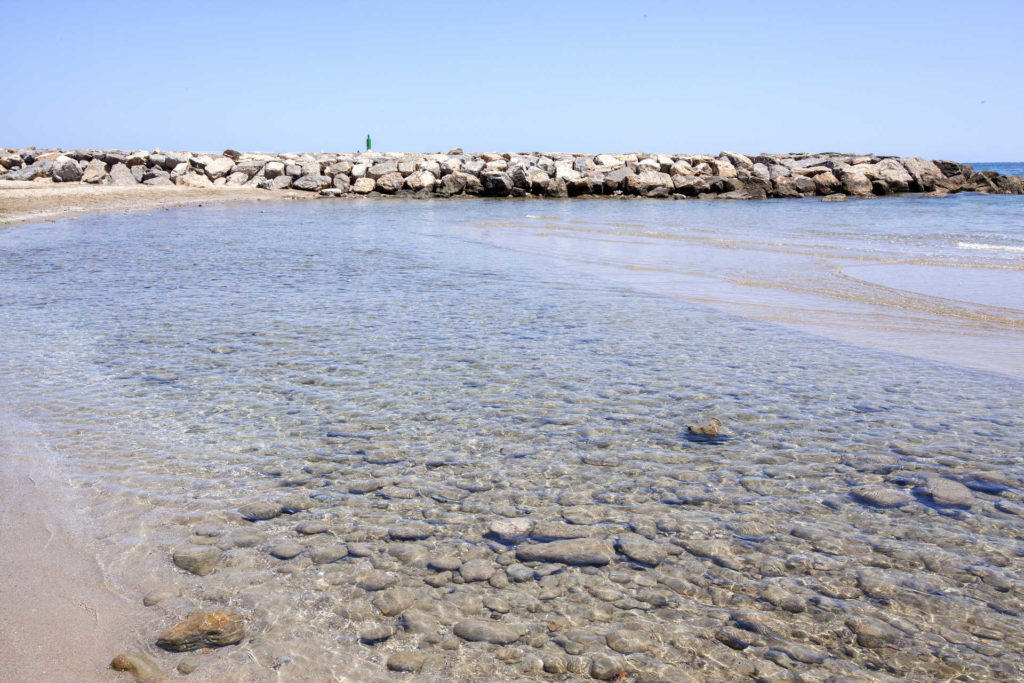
46, 201
62, 619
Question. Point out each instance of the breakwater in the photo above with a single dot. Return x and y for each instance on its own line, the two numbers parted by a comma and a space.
728, 175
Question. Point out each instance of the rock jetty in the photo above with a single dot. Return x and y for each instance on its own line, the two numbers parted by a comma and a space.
454, 174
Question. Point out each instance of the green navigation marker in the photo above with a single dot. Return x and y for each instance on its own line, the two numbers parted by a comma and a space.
368, 142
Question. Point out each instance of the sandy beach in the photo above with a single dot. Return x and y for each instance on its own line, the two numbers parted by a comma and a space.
44, 200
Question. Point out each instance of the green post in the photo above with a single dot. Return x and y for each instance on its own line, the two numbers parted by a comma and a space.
368, 142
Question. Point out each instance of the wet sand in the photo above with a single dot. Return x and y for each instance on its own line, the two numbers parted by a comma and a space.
27, 202
60, 620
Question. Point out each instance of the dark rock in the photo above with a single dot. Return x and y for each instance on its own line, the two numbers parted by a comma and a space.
232, 154
37, 169
584, 551
65, 170
496, 183
204, 628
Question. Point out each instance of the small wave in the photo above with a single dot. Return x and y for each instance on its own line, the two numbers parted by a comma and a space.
989, 247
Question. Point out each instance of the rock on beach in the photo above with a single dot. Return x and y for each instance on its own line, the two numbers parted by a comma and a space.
204, 628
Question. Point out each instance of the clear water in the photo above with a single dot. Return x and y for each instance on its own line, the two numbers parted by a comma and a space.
372, 364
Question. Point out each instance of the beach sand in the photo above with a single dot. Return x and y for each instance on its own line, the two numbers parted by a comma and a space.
22, 202
61, 620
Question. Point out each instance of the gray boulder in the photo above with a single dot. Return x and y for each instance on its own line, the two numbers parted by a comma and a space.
65, 170
690, 185
121, 175
218, 168
312, 183
95, 172
237, 179
381, 169
37, 169
281, 182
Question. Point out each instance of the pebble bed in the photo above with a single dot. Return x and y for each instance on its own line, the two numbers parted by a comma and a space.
401, 455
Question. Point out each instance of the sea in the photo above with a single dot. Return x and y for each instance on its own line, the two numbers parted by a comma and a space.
428, 396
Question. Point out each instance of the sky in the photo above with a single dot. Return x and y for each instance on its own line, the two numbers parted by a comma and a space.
944, 80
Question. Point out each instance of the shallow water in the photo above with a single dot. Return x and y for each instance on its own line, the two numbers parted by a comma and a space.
407, 374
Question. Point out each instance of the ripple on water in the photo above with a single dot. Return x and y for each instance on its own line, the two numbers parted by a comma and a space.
392, 442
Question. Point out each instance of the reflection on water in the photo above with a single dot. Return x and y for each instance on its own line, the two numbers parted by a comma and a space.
423, 392
932, 279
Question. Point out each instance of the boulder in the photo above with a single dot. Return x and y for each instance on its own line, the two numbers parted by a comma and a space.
856, 184
389, 183
364, 185
723, 168
923, 172
311, 183
617, 179
690, 186
738, 160
608, 162
650, 184
218, 168
894, 175
339, 167
496, 183
342, 182
232, 154
281, 182
237, 179
194, 179
381, 169
204, 628
37, 169
95, 172
273, 169
172, 159
65, 170
420, 180
137, 158
121, 175
826, 183
540, 181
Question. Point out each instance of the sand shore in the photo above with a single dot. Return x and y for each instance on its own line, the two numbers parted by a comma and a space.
44, 200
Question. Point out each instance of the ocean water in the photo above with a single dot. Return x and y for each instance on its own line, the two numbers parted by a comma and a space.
403, 377
1002, 167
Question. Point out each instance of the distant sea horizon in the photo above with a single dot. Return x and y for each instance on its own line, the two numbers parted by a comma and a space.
1001, 167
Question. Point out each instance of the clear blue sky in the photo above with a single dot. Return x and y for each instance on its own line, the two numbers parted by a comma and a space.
937, 79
